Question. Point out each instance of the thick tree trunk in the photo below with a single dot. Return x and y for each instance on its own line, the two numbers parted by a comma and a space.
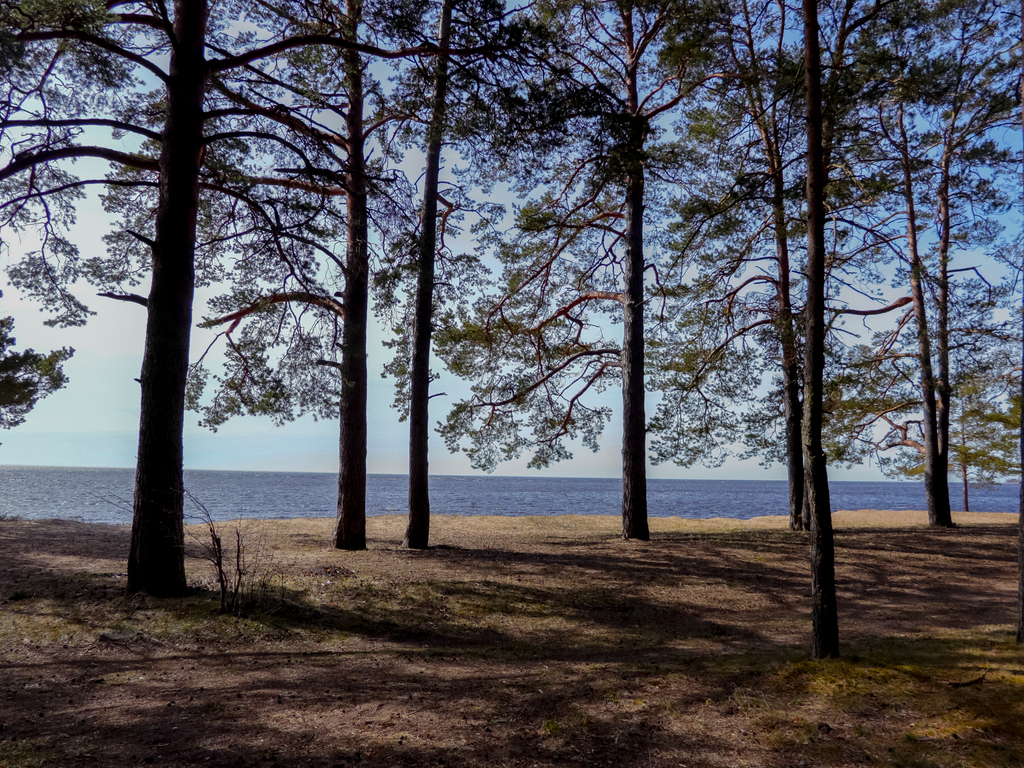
824, 614
350, 529
156, 562
936, 485
634, 419
417, 534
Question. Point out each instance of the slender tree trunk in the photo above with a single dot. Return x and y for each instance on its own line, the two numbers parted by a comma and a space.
791, 379
350, 529
1020, 513
156, 562
943, 390
764, 116
963, 455
936, 485
417, 534
824, 614
792, 384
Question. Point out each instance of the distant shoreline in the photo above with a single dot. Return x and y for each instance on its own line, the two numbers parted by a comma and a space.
484, 475
383, 526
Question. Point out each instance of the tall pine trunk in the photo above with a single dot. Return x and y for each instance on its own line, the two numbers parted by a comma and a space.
417, 534
936, 484
824, 615
791, 380
765, 116
350, 528
634, 419
156, 562
1020, 513
943, 390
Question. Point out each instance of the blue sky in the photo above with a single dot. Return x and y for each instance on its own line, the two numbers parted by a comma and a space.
94, 420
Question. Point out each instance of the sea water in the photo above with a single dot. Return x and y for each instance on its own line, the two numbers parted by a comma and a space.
104, 495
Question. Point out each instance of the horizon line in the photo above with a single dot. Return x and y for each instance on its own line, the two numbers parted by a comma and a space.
477, 476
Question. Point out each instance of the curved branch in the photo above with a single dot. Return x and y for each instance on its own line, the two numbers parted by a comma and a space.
100, 122
23, 162
134, 298
278, 115
867, 312
40, 194
547, 377
99, 42
588, 296
301, 41
275, 298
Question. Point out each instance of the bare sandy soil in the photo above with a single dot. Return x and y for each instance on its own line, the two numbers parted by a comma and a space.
519, 642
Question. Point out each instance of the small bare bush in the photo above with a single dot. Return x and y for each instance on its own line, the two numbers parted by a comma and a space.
241, 559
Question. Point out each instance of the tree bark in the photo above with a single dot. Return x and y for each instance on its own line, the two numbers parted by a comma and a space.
350, 528
1020, 513
417, 533
791, 384
791, 379
824, 615
634, 419
765, 116
936, 485
156, 562
943, 390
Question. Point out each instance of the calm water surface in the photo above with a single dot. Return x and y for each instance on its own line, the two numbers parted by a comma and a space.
104, 495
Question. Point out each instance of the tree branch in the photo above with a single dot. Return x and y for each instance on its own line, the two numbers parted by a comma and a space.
23, 162
866, 312
275, 298
131, 297
99, 42
100, 122
330, 41
561, 367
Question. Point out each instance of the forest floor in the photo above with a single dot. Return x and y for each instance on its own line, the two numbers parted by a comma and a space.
540, 641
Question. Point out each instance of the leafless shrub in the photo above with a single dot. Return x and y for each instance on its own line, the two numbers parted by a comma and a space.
243, 565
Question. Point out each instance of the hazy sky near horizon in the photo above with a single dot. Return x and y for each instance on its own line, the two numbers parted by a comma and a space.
94, 420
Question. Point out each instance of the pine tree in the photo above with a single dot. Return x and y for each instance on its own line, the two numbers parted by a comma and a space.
44, 122
535, 347
26, 377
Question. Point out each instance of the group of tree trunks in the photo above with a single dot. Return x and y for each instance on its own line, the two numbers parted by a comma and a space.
627, 82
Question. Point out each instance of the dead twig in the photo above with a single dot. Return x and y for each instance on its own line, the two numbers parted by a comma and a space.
975, 681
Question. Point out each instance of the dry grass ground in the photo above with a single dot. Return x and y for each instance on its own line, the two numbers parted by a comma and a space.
520, 642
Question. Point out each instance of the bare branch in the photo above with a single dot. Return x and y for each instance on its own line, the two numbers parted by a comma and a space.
134, 298
866, 312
